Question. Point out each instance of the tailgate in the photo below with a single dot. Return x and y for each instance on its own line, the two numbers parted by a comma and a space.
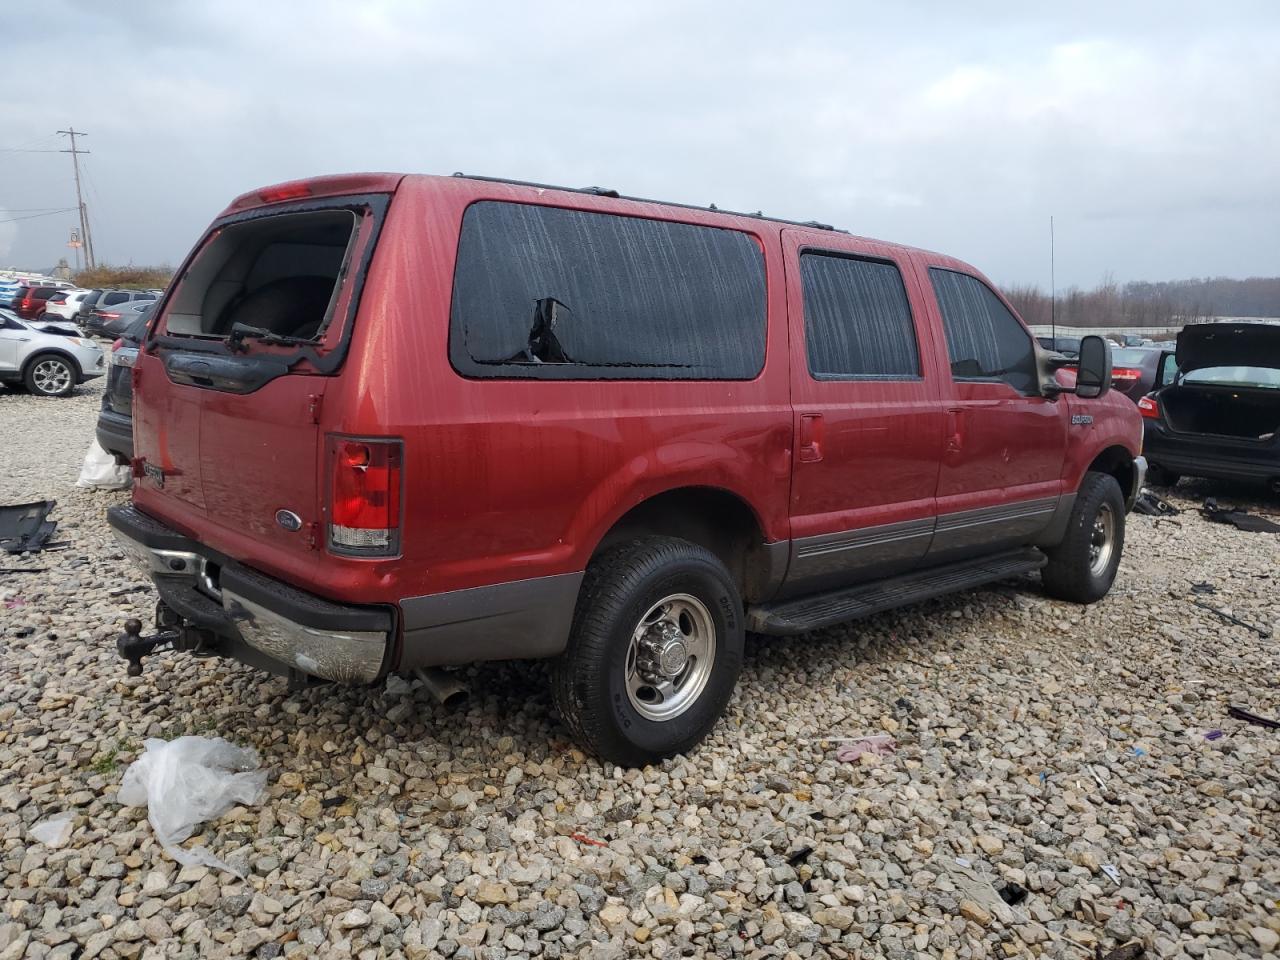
228, 385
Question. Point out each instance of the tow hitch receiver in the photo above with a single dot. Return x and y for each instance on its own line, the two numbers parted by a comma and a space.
133, 646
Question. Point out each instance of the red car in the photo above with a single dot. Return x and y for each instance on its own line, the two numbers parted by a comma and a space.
391, 423
30, 303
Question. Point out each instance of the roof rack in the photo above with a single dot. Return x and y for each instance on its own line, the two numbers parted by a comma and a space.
609, 192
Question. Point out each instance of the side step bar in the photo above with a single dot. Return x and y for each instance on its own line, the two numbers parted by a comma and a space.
851, 603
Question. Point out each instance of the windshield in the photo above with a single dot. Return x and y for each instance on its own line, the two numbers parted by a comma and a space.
1268, 377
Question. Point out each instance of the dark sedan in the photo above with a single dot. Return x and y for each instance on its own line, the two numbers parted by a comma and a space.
1134, 370
1219, 416
112, 322
115, 419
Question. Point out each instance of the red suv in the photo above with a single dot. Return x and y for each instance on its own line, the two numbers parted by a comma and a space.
391, 423
30, 303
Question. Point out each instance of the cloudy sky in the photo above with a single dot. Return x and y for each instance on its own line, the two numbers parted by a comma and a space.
1150, 131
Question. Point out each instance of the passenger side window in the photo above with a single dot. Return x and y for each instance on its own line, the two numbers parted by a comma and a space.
857, 322
560, 294
111, 299
985, 341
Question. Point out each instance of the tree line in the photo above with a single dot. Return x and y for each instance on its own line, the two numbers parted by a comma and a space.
1141, 303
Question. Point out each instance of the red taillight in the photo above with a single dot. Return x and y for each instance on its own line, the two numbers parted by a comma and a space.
26, 303
117, 345
288, 191
1126, 373
109, 316
364, 496
1148, 407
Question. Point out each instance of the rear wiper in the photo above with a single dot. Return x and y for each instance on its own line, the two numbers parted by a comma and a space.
242, 331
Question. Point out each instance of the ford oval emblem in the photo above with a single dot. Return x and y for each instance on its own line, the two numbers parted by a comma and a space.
289, 520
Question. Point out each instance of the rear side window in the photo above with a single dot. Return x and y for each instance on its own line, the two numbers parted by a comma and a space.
985, 341
564, 294
857, 321
111, 299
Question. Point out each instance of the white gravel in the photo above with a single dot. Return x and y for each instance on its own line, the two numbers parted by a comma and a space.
1039, 742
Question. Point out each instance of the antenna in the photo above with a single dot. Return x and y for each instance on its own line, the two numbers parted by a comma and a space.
1053, 289
85, 236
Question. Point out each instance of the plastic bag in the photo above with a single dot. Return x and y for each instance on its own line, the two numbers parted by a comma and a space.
54, 832
185, 782
100, 470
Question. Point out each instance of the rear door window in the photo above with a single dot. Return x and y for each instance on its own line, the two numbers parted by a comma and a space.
114, 297
984, 340
857, 320
566, 294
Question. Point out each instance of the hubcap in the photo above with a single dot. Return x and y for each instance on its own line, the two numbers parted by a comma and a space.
670, 657
51, 376
1102, 540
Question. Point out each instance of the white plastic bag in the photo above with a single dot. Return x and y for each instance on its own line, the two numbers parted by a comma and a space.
185, 782
101, 470
54, 832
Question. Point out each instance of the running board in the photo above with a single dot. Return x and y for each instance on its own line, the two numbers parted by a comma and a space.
851, 603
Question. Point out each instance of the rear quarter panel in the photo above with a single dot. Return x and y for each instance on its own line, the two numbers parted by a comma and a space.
514, 479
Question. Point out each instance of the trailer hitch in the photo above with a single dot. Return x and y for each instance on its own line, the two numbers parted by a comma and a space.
133, 646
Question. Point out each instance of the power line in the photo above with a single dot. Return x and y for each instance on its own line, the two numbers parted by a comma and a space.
85, 235
34, 216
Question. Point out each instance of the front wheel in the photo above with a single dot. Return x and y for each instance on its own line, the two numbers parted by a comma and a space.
50, 376
655, 651
1083, 566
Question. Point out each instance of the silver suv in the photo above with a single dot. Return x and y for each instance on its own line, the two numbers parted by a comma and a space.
49, 359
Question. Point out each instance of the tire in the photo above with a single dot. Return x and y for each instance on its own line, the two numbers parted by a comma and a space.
50, 375
1075, 571
1160, 477
599, 683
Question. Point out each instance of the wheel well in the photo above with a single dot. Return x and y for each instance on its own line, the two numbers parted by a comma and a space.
1116, 462
52, 352
715, 519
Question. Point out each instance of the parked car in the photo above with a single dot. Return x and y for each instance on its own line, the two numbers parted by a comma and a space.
49, 359
110, 323
115, 420
1135, 370
614, 432
1219, 414
107, 303
31, 301
8, 292
1067, 346
65, 304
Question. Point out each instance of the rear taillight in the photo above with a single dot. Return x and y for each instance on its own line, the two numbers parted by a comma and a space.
1126, 373
109, 316
1148, 407
364, 496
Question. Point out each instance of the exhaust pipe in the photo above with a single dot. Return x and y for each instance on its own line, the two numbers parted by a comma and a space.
1274, 484
442, 686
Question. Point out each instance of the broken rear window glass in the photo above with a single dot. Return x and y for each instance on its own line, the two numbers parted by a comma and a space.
564, 294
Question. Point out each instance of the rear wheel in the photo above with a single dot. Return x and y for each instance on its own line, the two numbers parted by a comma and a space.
655, 651
1162, 477
49, 375
1083, 566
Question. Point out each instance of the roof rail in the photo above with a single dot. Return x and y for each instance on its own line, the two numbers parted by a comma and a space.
608, 192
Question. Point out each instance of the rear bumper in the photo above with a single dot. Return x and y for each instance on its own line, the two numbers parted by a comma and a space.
1211, 459
115, 433
294, 631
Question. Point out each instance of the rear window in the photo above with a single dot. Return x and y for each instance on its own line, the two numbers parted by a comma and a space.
1128, 357
1266, 377
565, 294
114, 297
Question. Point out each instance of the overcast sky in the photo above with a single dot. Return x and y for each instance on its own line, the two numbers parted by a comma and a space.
1151, 131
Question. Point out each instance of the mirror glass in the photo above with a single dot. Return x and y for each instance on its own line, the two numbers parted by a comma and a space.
1093, 375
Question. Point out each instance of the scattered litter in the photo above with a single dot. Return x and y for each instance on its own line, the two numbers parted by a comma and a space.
1213, 735
1151, 505
964, 861
1203, 588
978, 888
4, 570
101, 471
398, 686
185, 782
1240, 713
1240, 519
1112, 871
1128, 951
590, 841
799, 856
1231, 618
1139, 752
879, 744
15, 603
329, 802
1097, 776
25, 527
1012, 894
54, 832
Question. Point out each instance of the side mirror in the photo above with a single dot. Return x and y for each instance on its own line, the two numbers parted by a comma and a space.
1093, 368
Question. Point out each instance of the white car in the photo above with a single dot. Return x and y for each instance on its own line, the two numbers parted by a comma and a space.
48, 358
65, 306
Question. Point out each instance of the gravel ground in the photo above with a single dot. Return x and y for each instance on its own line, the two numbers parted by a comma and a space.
1040, 743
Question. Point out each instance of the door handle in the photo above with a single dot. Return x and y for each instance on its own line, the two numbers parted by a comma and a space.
810, 437
955, 429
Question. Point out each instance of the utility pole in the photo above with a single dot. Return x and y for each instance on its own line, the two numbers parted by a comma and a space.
1053, 290
86, 236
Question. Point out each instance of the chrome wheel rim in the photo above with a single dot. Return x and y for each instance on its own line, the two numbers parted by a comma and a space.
670, 657
51, 376
1102, 540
